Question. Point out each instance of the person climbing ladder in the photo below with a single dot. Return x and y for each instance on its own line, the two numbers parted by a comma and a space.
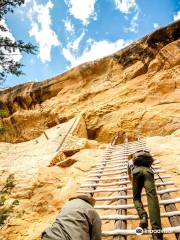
141, 175
78, 220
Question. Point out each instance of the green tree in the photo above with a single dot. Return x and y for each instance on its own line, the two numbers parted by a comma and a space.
6, 210
9, 47
3, 113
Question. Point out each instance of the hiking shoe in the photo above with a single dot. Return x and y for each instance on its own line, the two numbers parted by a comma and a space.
157, 236
143, 221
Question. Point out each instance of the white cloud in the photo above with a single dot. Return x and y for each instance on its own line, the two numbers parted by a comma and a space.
69, 26
94, 51
16, 56
40, 18
82, 9
177, 16
156, 25
27, 1
125, 6
75, 44
134, 22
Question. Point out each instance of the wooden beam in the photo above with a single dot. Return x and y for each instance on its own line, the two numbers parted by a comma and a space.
120, 165
120, 183
117, 173
122, 224
136, 217
174, 220
122, 177
45, 134
131, 206
125, 188
114, 169
104, 184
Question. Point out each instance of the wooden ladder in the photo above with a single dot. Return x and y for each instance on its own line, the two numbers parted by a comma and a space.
110, 176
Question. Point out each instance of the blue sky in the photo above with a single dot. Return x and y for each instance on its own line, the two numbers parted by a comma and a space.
70, 32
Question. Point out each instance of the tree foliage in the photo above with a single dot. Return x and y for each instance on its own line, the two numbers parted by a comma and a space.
5, 209
10, 48
3, 114
8, 5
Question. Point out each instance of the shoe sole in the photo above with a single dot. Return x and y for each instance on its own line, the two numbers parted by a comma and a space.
143, 226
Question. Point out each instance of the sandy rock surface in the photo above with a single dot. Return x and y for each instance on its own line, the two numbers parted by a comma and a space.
57, 130
137, 87
44, 191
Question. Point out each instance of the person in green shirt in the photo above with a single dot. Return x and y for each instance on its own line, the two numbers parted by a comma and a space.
142, 176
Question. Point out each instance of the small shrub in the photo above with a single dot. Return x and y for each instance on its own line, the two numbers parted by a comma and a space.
5, 211
3, 113
2, 130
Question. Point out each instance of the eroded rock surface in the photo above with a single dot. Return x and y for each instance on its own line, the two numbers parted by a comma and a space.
46, 145
136, 87
43, 191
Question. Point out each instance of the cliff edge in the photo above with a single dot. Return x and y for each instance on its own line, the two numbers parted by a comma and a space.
135, 88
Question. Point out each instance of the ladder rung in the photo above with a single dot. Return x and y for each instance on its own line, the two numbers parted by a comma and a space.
115, 165
114, 159
107, 162
125, 144
104, 161
105, 190
108, 170
131, 206
121, 177
108, 174
116, 232
134, 149
104, 184
120, 165
115, 169
123, 189
107, 179
164, 183
136, 217
122, 183
116, 173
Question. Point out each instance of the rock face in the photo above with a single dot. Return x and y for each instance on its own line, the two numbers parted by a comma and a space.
135, 88
42, 190
45, 176
56, 130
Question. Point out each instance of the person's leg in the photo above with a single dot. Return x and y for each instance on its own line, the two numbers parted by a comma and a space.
153, 204
152, 199
138, 182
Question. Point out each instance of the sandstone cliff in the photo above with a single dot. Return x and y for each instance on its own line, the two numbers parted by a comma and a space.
57, 129
43, 185
137, 87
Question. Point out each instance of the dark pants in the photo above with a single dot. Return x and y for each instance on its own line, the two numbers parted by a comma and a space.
144, 177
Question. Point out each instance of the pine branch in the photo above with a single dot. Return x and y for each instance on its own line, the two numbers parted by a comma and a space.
5, 210
7, 6
10, 48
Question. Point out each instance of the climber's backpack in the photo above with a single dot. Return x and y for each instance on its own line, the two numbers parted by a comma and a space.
142, 158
